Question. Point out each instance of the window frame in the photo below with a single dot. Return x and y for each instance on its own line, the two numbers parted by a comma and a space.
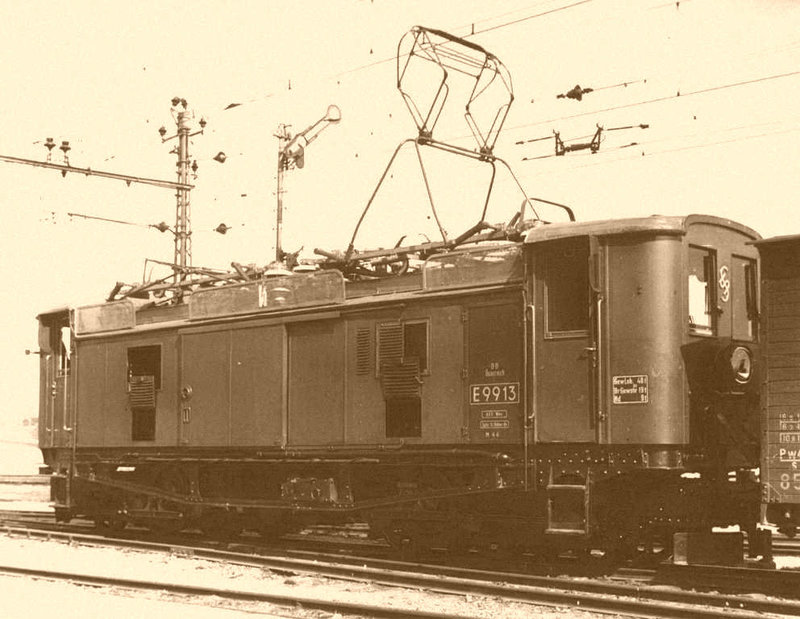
402, 324
549, 332
424, 369
157, 376
749, 295
710, 257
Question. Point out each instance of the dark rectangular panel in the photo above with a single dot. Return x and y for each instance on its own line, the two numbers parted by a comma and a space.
205, 414
495, 373
91, 385
257, 361
316, 383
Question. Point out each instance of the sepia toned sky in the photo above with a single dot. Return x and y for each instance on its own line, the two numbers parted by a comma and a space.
716, 81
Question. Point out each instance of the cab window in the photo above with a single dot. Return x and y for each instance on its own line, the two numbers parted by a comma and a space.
567, 288
702, 300
743, 298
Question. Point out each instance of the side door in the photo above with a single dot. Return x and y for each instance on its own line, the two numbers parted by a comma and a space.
56, 399
494, 356
565, 354
205, 388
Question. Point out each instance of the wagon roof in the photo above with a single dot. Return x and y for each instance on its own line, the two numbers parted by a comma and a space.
777, 240
655, 224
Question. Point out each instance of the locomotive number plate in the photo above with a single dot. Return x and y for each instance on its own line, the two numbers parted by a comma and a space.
494, 393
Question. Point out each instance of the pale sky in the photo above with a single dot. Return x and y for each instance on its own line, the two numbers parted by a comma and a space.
718, 82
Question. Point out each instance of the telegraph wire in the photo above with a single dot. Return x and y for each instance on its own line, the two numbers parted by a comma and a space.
659, 99
529, 17
499, 15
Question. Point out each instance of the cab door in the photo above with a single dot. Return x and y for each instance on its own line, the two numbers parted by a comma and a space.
565, 352
56, 400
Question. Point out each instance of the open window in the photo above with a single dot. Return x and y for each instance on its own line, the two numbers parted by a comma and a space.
403, 342
744, 303
144, 379
64, 350
415, 343
566, 277
402, 360
702, 291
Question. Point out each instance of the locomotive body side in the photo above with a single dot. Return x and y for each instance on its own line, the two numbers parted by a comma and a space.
549, 393
780, 316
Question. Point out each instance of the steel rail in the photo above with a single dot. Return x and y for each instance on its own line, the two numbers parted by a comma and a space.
25, 480
638, 599
241, 595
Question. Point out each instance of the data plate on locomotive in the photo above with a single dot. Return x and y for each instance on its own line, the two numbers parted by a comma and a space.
632, 389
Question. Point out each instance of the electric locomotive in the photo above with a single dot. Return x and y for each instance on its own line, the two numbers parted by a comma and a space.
523, 385
589, 385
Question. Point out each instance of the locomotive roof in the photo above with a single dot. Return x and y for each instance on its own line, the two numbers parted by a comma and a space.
655, 224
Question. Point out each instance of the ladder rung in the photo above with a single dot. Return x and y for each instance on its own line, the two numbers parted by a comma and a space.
580, 487
574, 532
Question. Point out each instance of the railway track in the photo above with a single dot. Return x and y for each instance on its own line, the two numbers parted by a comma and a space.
25, 480
645, 597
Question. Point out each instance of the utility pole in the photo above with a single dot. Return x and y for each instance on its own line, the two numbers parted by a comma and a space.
182, 231
284, 161
183, 239
183, 228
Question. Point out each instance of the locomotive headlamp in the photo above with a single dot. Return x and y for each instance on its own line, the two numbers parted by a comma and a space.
741, 364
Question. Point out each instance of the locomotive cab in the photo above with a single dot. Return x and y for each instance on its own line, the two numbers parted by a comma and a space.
56, 398
642, 380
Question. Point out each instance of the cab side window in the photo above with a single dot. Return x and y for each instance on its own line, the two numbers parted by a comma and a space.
702, 299
567, 288
744, 304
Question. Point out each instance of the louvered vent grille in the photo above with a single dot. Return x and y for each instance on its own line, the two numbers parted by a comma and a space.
363, 351
390, 343
400, 380
142, 392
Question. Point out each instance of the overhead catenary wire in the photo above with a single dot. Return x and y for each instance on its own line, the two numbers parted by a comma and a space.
678, 95
598, 159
